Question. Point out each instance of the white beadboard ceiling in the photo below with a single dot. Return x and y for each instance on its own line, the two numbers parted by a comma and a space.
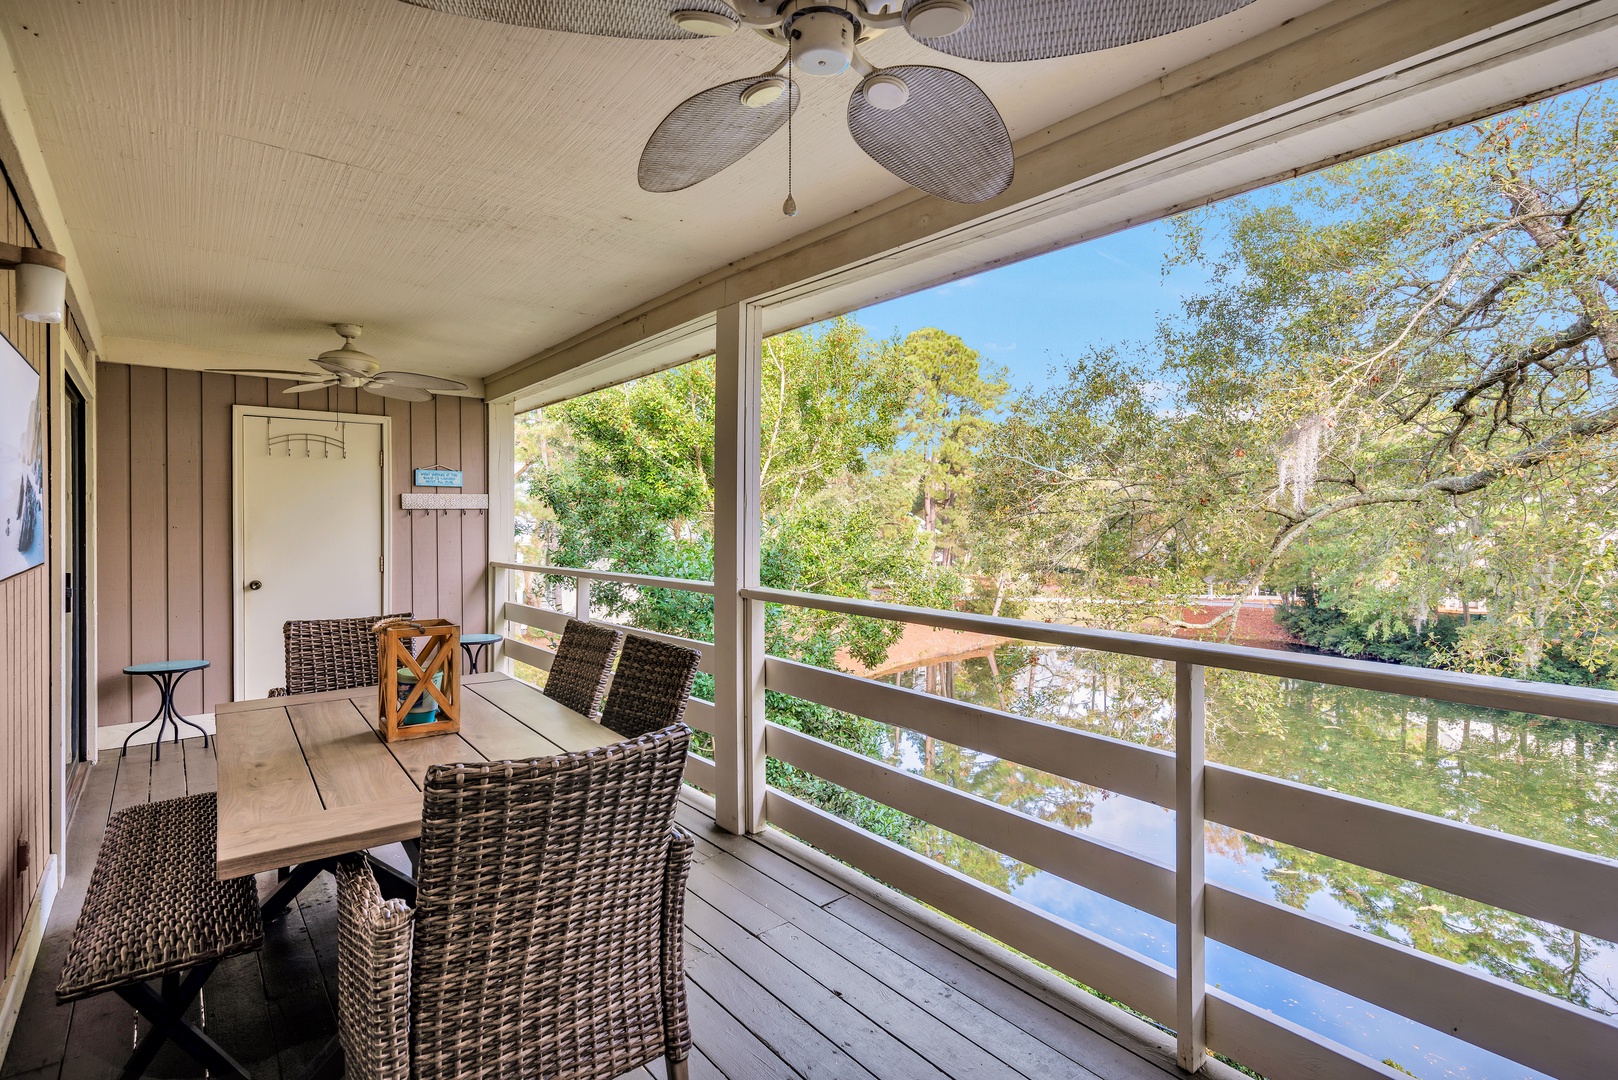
237, 173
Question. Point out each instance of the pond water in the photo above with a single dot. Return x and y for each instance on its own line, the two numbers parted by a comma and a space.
1549, 780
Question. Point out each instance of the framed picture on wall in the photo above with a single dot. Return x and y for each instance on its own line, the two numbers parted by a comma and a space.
22, 464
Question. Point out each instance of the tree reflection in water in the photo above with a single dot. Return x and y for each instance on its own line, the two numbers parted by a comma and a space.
1548, 780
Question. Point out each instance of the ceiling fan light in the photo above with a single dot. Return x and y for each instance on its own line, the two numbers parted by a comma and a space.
933, 19
766, 91
704, 23
885, 92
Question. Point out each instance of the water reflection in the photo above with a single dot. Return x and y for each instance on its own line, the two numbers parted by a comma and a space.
1548, 780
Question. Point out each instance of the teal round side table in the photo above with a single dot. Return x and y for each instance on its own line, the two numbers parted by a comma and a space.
473, 645
167, 675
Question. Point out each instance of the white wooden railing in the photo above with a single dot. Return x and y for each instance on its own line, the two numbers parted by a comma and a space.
1557, 885
503, 578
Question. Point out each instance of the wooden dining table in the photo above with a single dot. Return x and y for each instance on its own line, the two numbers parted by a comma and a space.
307, 777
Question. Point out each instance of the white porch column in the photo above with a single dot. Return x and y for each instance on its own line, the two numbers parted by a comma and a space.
1190, 969
738, 623
502, 519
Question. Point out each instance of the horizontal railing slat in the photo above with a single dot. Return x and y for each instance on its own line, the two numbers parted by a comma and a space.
642, 580
554, 622
1545, 699
1143, 984
703, 648
1098, 866
699, 715
1530, 1029
700, 772
1137, 771
1555, 884
1274, 1046
528, 654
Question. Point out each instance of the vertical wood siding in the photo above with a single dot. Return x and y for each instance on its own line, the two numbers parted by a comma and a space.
164, 531
25, 663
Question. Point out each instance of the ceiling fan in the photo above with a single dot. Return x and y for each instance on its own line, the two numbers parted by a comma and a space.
351, 369
932, 127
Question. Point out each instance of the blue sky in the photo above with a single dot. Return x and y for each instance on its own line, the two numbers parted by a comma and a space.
1032, 315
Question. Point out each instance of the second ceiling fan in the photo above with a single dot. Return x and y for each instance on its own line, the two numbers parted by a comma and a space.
351, 369
932, 127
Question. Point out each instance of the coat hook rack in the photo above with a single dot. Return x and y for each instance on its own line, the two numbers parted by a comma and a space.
444, 503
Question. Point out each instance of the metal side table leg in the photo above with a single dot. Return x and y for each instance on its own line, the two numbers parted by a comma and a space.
125, 751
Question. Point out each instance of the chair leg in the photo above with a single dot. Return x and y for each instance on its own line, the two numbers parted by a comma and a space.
678, 1070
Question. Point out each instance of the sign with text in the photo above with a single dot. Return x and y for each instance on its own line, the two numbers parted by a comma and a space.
438, 478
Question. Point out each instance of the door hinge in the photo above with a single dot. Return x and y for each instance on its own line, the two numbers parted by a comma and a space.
381, 568
381, 460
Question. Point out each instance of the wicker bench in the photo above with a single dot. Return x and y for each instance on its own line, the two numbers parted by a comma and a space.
155, 910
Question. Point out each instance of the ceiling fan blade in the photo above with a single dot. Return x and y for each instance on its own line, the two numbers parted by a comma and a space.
710, 132
417, 380
269, 373
1008, 30
402, 393
649, 20
304, 388
946, 139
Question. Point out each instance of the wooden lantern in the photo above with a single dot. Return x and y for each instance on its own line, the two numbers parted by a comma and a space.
436, 666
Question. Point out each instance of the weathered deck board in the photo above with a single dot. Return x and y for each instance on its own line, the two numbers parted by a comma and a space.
791, 975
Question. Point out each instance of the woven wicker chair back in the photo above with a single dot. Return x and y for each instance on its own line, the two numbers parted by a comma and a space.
578, 675
331, 654
548, 915
650, 687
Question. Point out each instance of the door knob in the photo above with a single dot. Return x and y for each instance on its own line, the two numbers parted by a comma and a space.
255, 585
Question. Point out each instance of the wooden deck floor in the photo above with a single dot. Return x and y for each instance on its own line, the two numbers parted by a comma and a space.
793, 973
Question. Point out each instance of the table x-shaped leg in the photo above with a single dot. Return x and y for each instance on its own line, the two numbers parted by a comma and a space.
166, 1012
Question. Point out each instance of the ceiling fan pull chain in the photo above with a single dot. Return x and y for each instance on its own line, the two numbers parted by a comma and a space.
790, 207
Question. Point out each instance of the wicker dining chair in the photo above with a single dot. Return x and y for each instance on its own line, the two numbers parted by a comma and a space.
548, 933
330, 654
583, 660
650, 688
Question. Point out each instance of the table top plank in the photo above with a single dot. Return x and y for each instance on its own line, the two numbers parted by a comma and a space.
294, 840
230, 708
349, 761
499, 736
415, 756
307, 776
261, 772
533, 709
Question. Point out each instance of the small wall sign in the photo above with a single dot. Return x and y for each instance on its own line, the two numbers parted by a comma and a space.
438, 477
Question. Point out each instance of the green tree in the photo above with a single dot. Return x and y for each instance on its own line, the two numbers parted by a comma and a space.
635, 493
952, 413
538, 441
1398, 388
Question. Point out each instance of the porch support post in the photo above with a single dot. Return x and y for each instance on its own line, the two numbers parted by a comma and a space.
1190, 973
738, 623
502, 520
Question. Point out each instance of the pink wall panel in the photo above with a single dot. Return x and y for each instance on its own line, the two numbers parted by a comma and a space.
164, 531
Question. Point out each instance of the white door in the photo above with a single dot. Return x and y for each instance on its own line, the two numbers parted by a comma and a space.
311, 499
